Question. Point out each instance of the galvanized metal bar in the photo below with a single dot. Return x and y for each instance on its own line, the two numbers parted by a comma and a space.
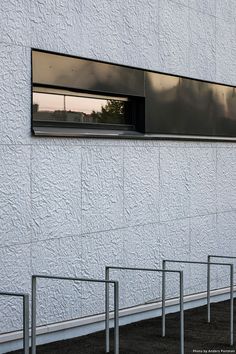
106, 282
107, 320
116, 318
218, 256
208, 293
6, 293
181, 291
25, 317
222, 257
232, 305
195, 262
146, 269
89, 280
208, 290
26, 323
33, 315
164, 271
231, 293
163, 299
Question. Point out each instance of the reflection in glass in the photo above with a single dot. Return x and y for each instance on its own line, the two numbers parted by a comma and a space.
183, 106
58, 108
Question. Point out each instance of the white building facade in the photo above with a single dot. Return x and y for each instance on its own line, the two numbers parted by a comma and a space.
71, 206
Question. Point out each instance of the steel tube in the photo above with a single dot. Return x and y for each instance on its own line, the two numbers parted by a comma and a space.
146, 269
26, 323
89, 280
3, 293
208, 291
107, 308
116, 318
181, 291
25, 317
208, 286
163, 271
231, 304
33, 316
106, 282
231, 293
222, 257
163, 299
195, 262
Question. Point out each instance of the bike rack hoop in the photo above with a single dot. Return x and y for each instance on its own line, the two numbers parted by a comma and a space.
231, 288
163, 271
25, 316
89, 280
208, 288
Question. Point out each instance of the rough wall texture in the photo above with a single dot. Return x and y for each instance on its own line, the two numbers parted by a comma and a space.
72, 206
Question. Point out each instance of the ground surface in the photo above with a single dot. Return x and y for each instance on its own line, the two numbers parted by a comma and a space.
145, 337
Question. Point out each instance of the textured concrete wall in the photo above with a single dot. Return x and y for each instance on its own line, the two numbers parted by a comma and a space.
71, 206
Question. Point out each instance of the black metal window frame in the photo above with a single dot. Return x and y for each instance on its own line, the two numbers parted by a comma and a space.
197, 111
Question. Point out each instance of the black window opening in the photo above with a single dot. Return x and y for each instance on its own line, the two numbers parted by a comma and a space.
63, 108
72, 96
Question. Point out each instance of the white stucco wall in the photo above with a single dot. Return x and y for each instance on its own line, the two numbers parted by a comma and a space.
72, 206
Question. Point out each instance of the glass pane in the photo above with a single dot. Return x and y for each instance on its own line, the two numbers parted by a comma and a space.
76, 109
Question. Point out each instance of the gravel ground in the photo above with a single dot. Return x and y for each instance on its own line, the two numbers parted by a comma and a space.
144, 337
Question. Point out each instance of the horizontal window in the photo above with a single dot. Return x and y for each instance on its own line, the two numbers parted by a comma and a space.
73, 96
60, 107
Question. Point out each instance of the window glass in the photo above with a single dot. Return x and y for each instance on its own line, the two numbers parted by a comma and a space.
59, 108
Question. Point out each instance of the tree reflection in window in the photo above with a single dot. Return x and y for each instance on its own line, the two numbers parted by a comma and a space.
53, 107
113, 112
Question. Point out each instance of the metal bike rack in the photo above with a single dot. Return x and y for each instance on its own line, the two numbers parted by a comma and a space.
107, 282
208, 287
231, 290
25, 317
181, 291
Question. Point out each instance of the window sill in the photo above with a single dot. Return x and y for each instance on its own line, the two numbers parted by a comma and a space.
85, 133
119, 134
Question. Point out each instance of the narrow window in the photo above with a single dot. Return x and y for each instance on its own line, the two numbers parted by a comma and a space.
63, 108
73, 96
